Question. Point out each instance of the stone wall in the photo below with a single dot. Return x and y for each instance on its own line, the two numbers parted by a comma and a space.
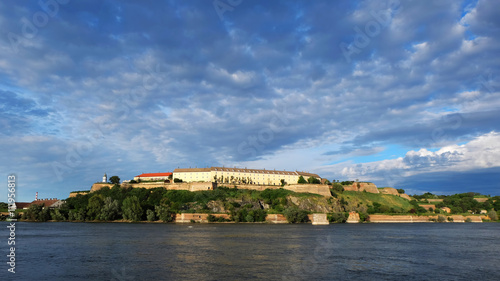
197, 217
412, 219
393, 191
319, 219
353, 218
276, 218
74, 194
191, 186
362, 186
405, 196
320, 189
389, 190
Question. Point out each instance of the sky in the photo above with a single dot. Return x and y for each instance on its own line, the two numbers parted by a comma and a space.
400, 93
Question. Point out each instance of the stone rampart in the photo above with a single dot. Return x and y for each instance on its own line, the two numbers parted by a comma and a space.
319, 219
389, 190
412, 219
74, 194
276, 218
320, 189
362, 186
196, 217
405, 196
353, 217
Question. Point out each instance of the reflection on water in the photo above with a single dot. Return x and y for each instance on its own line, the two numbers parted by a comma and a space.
116, 251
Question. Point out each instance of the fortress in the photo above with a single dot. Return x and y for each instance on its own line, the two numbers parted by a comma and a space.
198, 179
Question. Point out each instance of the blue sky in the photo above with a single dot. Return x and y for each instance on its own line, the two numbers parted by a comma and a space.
400, 93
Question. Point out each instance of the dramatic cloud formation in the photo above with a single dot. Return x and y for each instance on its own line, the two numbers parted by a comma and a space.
402, 93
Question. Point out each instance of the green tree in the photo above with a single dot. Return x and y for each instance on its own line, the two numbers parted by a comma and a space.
131, 209
313, 180
295, 215
57, 215
94, 207
150, 214
301, 180
33, 213
164, 213
110, 209
114, 180
493, 215
400, 190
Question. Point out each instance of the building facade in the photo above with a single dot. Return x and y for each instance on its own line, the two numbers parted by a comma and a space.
240, 175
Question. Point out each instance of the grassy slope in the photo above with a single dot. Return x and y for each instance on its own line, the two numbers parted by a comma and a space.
354, 198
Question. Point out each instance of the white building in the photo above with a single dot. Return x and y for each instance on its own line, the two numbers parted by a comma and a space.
240, 175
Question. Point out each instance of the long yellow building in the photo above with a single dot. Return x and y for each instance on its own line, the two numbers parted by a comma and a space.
240, 175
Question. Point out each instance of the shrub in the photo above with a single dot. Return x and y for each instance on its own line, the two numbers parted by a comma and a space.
468, 220
450, 219
150, 214
132, 209
164, 214
441, 218
295, 215
301, 180
493, 215
338, 217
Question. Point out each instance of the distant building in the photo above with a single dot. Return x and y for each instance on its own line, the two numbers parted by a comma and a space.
105, 178
50, 203
153, 177
240, 175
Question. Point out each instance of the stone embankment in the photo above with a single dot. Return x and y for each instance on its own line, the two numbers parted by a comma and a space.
412, 219
316, 219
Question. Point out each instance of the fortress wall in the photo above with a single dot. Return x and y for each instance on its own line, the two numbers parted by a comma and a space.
474, 218
320, 189
368, 186
319, 219
197, 217
74, 194
398, 219
405, 196
389, 190
353, 217
99, 185
410, 219
276, 218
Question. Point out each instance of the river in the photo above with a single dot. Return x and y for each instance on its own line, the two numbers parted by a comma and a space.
151, 251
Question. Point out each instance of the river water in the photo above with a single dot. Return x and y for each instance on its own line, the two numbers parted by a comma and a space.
141, 251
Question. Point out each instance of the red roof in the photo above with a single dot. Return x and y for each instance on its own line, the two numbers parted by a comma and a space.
45, 202
149, 175
21, 205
